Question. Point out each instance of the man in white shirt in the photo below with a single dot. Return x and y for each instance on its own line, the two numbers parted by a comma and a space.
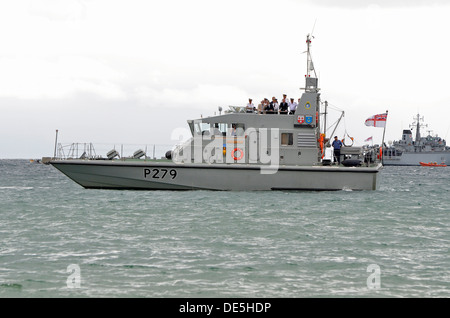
250, 108
274, 105
292, 106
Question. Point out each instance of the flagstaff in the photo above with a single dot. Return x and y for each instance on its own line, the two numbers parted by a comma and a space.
382, 140
378, 120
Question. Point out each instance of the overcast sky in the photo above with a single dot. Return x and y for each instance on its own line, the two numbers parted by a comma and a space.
107, 71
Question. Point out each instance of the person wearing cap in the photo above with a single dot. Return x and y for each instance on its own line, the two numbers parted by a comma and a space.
292, 106
337, 144
250, 108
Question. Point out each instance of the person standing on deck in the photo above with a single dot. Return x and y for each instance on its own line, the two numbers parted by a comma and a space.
292, 107
284, 107
274, 105
250, 108
337, 144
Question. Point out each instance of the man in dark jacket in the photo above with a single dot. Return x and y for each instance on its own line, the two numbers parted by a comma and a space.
284, 107
337, 144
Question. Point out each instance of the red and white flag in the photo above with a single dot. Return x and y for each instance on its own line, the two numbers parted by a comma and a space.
369, 139
377, 120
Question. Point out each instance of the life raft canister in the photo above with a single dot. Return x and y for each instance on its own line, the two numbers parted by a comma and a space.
241, 154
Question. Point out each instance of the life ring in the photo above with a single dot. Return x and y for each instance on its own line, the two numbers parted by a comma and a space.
234, 157
351, 138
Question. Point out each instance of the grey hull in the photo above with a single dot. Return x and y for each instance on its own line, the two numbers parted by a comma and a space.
171, 176
414, 158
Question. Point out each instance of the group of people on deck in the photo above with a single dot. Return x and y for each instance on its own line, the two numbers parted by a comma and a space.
285, 107
273, 107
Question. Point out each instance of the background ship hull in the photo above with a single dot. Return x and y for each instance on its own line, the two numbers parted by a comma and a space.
170, 176
414, 158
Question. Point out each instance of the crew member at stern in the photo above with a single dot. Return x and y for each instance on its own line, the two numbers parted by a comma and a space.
337, 144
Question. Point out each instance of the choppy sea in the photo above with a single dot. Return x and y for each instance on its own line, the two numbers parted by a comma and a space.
60, 240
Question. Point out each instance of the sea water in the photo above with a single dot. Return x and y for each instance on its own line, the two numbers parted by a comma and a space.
60, 240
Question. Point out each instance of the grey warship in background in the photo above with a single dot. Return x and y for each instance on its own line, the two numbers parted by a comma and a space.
239, 151
411, 151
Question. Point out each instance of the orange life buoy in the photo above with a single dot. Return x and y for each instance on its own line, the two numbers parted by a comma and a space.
234, 157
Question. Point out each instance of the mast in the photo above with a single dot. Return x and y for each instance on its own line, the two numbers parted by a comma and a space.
417, 125
382, 140
56, 143
308, 56
309, 62
311, 89
311, 83
418, 128
325, 119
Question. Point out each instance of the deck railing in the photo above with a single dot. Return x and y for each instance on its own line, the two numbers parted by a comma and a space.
78, 150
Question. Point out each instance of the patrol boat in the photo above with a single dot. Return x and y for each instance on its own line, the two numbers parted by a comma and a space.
240, 151
411, 151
